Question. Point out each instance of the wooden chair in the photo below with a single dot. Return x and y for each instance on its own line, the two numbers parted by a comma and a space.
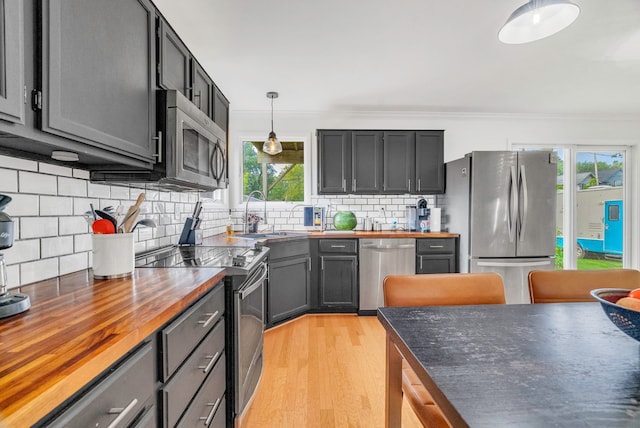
555, 286
437, 290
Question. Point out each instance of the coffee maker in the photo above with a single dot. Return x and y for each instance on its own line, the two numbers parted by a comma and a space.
10, 303
422, 214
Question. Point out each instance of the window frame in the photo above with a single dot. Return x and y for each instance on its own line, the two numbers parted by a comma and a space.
236, 163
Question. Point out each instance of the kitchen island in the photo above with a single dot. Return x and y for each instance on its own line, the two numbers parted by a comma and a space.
79, 327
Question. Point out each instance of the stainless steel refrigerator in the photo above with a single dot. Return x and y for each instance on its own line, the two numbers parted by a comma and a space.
503, 206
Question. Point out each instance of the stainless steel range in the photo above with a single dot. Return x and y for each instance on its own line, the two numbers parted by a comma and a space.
245, 284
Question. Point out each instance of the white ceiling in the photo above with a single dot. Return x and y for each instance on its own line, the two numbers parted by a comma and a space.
412, 55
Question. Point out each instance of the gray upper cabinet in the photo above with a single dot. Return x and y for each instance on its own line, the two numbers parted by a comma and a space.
429, 162
398, 149
221, 110
174, 61
12, 86
380, 162
334, 161
98, 74
366, 161
201, 88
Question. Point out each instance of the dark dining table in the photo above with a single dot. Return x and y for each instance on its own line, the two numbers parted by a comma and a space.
545, 365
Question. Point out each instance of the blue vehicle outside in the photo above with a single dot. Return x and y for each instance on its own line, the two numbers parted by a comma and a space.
611, 245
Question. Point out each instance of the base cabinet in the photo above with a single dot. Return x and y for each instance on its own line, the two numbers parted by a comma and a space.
436, 255
338, 274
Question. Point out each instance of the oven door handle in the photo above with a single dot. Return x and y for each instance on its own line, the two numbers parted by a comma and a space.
254, 285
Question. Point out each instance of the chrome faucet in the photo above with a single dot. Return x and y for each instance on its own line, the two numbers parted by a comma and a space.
291, 211
246, 208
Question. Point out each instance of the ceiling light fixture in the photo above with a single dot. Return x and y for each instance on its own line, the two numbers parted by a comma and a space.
538, 19
272, 146
60, 155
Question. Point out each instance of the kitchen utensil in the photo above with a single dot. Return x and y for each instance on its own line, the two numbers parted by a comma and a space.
93, 212
130, 220
144, 222
106, 216
4, 200
103, 226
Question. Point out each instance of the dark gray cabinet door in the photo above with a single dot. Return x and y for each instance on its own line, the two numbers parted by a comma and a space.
221, 110
289, 291
334, 161
12, 87
429, 162
201, 88
98, 73
398, 154
174, 61
338, 281
435, 263
366, 161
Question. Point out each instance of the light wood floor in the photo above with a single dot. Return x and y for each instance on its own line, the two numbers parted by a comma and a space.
323, 371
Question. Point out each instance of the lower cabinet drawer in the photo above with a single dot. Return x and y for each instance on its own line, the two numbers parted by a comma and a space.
208, 401
177, 394
148, 420
124, 395
183, 334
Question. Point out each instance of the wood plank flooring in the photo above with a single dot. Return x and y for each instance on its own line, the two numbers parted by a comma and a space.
323, 371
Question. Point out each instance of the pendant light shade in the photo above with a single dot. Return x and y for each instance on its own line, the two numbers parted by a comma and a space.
538, 19
272, 146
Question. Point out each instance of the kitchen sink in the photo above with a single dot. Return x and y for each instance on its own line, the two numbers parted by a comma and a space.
280, 234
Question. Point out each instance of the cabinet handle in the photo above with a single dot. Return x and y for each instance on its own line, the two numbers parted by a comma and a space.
208, 366
419, 185
322, 263
409, 180
354, 185
122, 413
338, 246
436, 246
211, 318
344, 184
159, 140
420, 263
309, 264
209, 417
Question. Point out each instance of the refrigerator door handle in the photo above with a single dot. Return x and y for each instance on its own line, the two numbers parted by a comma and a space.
513, 204
525, 203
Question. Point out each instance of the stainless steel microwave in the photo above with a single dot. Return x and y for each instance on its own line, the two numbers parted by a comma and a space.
192, 151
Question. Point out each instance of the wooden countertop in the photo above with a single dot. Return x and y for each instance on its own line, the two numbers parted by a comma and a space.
77, 328
235, 240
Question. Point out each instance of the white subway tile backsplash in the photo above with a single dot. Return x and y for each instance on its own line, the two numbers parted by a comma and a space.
56, 205
82, 243
38, 227
72, 186
8, 180
73, 263
81, 173
56, 246
38, 270
13, 276
22, 251
31, 182
72, 225
119, 192
95, 190
82, 205
21, 205
17, 163
59, 170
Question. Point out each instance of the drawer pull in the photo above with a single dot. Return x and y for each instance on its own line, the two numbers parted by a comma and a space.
208, 321
338, 246
122, 413
208, 366
436, 246
209, 417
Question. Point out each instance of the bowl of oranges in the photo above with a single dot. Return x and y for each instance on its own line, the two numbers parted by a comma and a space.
622, 306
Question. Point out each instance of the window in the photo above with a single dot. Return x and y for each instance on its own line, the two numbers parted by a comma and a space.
280, 177
590, 216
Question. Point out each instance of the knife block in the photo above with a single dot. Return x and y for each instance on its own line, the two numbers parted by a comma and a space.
189, 235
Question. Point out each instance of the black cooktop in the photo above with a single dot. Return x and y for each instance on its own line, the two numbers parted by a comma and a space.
240, 258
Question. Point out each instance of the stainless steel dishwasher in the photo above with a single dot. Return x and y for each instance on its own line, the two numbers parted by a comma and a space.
379, 258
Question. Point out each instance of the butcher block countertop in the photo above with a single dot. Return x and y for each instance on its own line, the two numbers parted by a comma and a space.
77, 328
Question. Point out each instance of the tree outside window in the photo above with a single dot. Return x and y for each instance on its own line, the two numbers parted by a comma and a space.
279, 177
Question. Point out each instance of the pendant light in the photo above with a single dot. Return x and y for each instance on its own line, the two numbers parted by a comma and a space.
538, 19
272, 146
